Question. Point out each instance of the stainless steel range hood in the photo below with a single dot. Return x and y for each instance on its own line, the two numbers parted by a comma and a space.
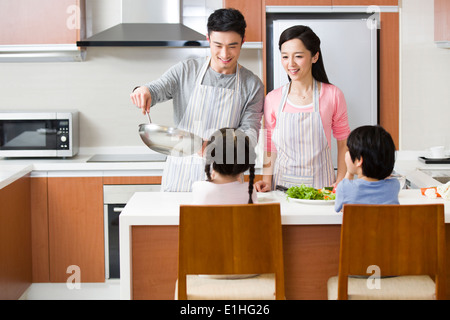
148, 23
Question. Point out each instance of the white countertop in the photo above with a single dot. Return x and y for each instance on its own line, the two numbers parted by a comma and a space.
10, 173
162, 208
80, 163
165, 208
10, 169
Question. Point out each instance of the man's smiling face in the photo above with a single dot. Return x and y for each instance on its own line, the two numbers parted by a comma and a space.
225, 50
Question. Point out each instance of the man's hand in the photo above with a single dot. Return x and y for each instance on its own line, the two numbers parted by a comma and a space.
142, 98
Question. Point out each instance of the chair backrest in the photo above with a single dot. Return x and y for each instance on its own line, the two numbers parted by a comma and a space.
230, 239
399, 239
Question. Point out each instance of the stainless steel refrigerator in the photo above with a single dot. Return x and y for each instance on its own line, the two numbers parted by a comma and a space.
350, 52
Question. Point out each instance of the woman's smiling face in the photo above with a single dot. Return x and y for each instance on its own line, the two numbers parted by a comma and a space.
296, 59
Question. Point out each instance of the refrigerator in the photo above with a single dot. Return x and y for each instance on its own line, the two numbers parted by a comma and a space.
349, 45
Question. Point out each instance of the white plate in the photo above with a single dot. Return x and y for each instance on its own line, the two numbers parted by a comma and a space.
437, 158
308, 201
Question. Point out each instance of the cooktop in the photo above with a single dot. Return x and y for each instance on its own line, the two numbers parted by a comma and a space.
128, 158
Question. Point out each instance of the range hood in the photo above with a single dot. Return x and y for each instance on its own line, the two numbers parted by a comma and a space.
148, 23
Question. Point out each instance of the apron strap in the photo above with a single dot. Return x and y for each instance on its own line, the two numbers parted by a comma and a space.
285, 93
203, 71
205, 68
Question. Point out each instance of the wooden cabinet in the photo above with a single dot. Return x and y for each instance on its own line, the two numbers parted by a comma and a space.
75, 223
252, 10
365, 2
39, 229
68, 225
132, 180
15, 239
442, 22
298, 2
67, 228
31, 22
331, 2
389, 73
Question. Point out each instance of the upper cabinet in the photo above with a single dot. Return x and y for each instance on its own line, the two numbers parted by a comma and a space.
252, 10
331, 2
40, 28
442, 23
365, 2
298, 2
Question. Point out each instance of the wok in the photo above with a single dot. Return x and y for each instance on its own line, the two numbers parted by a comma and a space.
168, 140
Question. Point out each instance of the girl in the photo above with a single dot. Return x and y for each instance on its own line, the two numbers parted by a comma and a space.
300, 117
228, 154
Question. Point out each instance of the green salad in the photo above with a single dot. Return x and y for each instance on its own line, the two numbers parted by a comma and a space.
309, 193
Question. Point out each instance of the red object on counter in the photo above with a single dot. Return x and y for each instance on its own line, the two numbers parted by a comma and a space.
422, 190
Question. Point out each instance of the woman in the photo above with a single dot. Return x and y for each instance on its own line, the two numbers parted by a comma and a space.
300, 117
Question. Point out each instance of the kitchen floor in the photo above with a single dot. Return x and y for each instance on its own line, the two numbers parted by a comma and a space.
110, 290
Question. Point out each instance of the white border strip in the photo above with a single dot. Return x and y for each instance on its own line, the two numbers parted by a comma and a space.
41, 53
328, 9
39, 48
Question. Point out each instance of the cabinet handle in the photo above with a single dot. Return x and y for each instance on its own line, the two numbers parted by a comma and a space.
117, 209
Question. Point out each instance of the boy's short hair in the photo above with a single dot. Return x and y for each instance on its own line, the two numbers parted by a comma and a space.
223, 20
375, 145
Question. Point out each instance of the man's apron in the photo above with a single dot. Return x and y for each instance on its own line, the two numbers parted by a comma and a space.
209, 109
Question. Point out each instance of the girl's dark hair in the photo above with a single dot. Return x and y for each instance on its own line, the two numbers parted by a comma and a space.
375, 145
230, 153
312, 42
223, 20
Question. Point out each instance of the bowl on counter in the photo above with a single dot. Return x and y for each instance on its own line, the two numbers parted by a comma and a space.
401, 178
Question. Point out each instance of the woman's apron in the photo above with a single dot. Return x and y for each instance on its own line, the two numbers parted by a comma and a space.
303, 154
209, 109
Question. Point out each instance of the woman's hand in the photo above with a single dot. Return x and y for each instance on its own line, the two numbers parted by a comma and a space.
142, 98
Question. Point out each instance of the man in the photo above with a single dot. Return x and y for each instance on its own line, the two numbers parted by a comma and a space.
208, 94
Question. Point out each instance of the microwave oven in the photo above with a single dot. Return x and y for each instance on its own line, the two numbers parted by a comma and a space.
34, 134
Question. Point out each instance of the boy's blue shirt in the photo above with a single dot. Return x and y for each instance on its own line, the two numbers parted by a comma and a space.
359, 191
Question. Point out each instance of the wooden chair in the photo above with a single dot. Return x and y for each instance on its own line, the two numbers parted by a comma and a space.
404, 241
230, 240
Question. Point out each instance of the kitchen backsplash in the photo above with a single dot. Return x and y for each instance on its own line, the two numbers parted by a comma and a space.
100, 89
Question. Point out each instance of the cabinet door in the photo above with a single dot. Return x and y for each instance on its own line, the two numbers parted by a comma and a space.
31, 22
441, 20
365, 2
298, 2
252, 11
76, 231
132, 180
39, 229
389, 82
15, 239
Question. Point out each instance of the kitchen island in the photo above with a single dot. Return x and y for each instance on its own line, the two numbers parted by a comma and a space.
44, 186
311, 235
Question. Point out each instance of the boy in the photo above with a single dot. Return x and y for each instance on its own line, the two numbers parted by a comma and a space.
370, 156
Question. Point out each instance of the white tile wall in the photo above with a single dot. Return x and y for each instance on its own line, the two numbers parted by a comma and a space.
425, 80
